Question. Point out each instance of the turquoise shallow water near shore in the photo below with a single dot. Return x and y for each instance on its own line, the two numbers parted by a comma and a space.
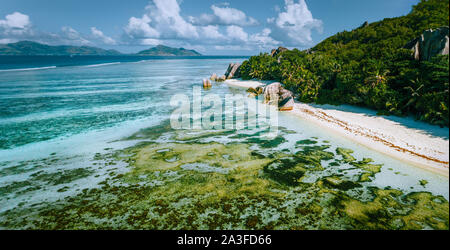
73, 135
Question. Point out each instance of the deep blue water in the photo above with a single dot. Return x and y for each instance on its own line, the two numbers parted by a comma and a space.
34, 62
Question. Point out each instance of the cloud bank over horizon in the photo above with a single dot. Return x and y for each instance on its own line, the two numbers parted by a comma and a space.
223, 28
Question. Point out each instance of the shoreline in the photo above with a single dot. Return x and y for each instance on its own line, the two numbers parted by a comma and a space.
422, 145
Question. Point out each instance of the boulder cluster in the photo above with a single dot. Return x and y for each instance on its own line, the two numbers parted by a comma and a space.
233, 71
275, 94
429, 44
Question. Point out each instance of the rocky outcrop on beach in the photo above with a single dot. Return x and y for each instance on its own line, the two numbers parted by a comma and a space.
275, 94
254, 92
430, 43
233, 71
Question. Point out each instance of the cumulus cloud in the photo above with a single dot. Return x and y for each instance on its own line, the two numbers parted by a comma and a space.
237, 33
167, 19
15, 25
224, 16
294, 25
73, 37
98, 35
162, 23
162, 20
211, 32
139, 28
264, 40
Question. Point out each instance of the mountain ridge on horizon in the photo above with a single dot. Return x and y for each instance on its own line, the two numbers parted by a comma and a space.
31, 48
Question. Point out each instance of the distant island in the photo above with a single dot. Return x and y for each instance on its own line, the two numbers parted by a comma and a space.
162, 50
29, 48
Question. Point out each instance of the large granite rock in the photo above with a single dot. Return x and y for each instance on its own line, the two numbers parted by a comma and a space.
254, 92
276, 52
233, 71
206, 84
275, 94
214, 77
429, 44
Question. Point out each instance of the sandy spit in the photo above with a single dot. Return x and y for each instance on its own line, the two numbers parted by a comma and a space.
418, 143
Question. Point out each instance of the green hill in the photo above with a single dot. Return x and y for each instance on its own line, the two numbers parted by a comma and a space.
368, 67
27, 48
161, 50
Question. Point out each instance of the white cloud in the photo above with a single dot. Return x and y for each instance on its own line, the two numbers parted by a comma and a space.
237, 33
73, 37
224, 16
15, 20
163, 23
98, 35
162, 20
294, 25
17, 27
264, 40
15, 24
211, 32
139, 28
167, 20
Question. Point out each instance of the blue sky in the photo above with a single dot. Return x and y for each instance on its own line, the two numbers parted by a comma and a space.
229, 27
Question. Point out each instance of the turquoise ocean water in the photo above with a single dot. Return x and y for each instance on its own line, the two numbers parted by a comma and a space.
57, 113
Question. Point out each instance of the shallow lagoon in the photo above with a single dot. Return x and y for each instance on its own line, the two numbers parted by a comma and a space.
136, 172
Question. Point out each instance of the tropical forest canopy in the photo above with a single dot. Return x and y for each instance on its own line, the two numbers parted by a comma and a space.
368, 67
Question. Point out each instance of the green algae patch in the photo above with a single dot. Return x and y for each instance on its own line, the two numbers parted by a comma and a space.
267, 143
286, 171
340, 183
37, 180
61, 177
389, 211
306, 142
190, 183
366, 165
170, 156
346, 154
423, 183
313, 156
365, 177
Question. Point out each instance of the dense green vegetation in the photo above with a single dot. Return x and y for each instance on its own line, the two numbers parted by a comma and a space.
368, 67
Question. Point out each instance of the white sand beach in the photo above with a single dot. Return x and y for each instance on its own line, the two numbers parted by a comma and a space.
418, 143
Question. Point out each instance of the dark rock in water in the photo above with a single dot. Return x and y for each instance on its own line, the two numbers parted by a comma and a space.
429, 44
206, 84
233, 71
276, 52
214, 77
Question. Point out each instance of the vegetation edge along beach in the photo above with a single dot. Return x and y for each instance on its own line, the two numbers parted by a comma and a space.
370, 66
